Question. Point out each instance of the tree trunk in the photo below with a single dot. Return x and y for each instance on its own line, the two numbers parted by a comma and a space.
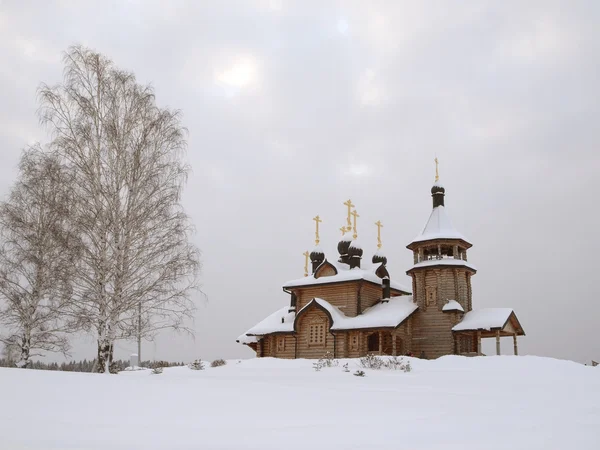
105, 353
24, 361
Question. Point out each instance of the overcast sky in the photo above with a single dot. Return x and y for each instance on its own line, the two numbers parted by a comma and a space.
294, 107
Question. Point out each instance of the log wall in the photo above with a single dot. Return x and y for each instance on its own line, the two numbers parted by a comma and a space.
305, 350
342, 295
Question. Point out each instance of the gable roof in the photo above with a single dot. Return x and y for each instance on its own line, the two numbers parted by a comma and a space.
344, 273
381, 315
438, 226
388, 314
281, 321
488, 319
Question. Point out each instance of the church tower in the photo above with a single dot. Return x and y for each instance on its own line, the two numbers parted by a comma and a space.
441, 280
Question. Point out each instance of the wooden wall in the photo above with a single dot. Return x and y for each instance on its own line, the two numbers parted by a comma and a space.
304, 349
342, 295
369, 295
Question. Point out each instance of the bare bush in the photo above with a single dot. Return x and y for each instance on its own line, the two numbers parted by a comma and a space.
218, 363
196, 365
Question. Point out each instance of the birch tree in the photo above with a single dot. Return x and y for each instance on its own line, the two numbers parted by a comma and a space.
36, 256
126, 156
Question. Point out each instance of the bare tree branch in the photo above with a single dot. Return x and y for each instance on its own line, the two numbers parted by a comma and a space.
126, 157
36, 254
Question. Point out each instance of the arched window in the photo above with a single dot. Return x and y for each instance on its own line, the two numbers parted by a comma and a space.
316, 332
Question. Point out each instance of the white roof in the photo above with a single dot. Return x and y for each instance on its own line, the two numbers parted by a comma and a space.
280, 321
383, 314
346, 274
452, 305
438, 226
243, 339
484, 319
443, 262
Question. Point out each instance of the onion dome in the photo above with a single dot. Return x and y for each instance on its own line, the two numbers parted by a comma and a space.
355, 253
438, 192
317, 255
379, 258
355, 249
343, 246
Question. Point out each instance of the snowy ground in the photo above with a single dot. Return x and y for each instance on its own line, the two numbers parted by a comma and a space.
452, 403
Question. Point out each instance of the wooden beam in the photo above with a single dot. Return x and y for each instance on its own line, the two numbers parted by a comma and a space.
380, 343
515, 344
498, 342
479, 343
394, 345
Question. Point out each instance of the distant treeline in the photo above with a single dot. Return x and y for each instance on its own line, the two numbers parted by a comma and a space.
87, 366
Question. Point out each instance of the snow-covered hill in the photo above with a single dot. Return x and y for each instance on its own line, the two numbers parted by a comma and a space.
452, 403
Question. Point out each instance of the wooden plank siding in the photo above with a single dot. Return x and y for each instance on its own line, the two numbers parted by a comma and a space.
342, 295
305, 350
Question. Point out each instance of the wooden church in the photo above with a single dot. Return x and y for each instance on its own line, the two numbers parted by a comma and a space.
350, 308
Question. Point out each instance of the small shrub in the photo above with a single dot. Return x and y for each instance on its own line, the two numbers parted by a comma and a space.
328, 360
359, 373
346, 369
218, 363
372, 362
157, 370
196, 365
395, 363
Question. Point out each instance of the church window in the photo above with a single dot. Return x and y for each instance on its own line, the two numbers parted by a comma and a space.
354, 341
280, 343
431, 294
316, 333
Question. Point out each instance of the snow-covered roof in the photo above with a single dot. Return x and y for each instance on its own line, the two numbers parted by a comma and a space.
344, 273
443, 262
244, 339
484, 319
383, 314
278, 322
438, 226
452, 305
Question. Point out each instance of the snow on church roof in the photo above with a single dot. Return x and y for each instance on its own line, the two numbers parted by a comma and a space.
280, 321
443, 262
384, 314
484, 319
438, 226
453, 305
345, 274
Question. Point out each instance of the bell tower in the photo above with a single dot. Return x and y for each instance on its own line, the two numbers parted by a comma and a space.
441, 279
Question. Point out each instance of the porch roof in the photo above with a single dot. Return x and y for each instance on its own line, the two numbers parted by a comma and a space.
488, 319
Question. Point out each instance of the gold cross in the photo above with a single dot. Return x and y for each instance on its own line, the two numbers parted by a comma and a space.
350, 206
379, 227
305, 263
343, 230
317, 222
437, 175
355, 215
